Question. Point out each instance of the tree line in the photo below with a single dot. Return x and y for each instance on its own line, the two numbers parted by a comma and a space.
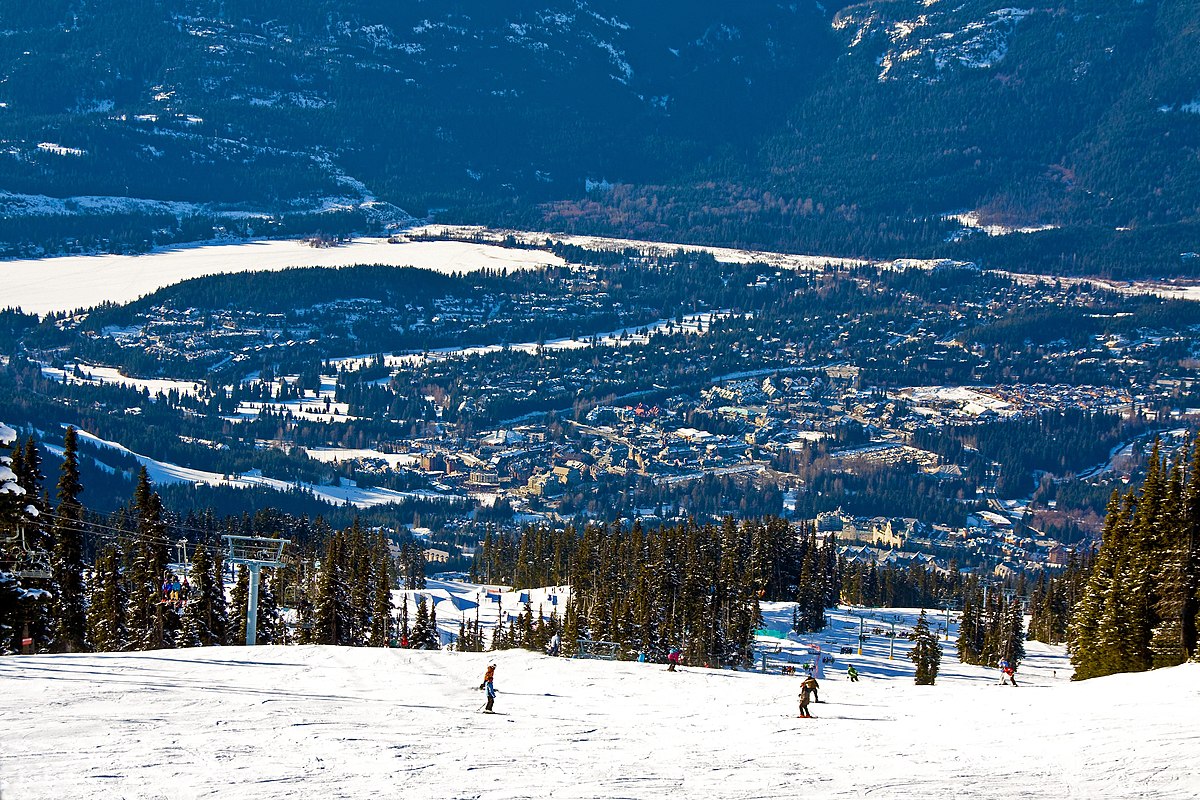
132, 595
1140, 605
691, 586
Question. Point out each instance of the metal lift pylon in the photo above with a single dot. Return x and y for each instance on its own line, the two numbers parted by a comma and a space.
255, 552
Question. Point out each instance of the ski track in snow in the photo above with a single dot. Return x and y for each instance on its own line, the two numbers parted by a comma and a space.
328, 722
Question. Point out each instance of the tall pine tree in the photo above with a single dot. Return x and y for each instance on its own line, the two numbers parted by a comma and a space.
926, 652
71, 624
150, 623
107, 604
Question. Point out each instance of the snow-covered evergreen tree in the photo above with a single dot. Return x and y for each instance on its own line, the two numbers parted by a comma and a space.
268, 624
107, 604
423, 635
971, 627
14, 513
204, 619
1014, 630
70, 620
331, 623
405, 631
382, 632
151, 623
435, 638
926, 652
37, 607
1139, 607
239, 595
1173, 585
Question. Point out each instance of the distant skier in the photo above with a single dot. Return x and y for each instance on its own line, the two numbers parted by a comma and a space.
487, 676
673, 659
811, 684
852, 674
806, 692
1010, 673
491, 695
552, 648
1007, 672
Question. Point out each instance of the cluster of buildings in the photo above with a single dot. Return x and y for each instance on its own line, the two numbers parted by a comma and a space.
644, 420
988, 543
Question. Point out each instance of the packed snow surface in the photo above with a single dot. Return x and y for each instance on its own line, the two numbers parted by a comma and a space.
332, 722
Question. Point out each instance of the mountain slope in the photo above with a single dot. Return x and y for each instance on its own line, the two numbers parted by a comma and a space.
839, 128
281, 100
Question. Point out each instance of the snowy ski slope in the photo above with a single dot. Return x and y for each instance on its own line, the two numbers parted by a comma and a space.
327, 722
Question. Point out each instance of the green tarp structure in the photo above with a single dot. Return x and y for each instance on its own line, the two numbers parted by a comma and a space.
774, 634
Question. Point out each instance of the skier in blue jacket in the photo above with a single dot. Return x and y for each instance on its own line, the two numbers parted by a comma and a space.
491, 694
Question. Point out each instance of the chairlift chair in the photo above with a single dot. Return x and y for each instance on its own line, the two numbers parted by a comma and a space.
30, 563
293, 596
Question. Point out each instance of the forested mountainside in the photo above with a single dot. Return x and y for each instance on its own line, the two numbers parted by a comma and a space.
852, 129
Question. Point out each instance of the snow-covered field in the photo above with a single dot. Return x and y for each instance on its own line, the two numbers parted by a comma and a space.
638, 335
727, 255
348, 493
1173, 289
70, 282
82, 373
309, 722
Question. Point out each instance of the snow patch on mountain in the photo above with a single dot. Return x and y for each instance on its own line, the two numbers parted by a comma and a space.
925, 45
617, 57
347, 492
1186, 108
972, 223
40, 205
986, 41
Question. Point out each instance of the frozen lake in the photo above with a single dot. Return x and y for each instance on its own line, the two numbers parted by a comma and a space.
67, 283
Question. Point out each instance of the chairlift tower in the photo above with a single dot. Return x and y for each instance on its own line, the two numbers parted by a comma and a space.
254, 552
